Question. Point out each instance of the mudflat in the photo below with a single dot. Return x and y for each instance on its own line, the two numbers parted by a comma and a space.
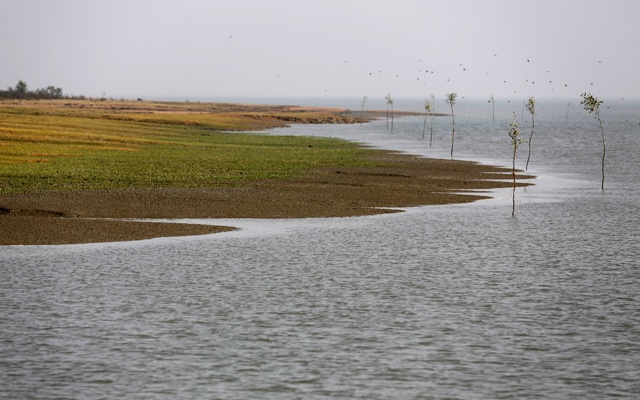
392, 180
87, 216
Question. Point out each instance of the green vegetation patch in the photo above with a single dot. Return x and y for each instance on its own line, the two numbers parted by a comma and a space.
60, 150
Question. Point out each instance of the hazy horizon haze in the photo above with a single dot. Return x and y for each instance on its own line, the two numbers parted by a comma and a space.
285, 48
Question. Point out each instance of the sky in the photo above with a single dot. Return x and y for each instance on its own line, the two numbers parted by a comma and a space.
218, 49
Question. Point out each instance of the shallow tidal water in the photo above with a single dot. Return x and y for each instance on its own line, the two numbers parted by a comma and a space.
459, 301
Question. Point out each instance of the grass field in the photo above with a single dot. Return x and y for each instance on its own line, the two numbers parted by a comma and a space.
61, 145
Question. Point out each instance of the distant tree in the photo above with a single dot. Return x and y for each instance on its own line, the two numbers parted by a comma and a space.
592, 105
451, 100
514, 134
21, 91
54, 92
531, 107
50, 92
21, 88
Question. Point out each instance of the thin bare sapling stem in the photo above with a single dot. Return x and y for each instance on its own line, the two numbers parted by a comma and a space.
433, 110
391, 116
364, 100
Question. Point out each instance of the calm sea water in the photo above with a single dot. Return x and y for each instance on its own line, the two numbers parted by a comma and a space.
458, 302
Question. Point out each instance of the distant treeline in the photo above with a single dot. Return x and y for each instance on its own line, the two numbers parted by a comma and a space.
21, 91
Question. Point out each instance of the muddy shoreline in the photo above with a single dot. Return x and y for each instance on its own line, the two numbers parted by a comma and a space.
396, 180
88, 216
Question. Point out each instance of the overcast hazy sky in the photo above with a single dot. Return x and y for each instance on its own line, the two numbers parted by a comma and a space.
194, 49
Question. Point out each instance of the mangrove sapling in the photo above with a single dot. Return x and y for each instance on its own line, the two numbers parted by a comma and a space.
364, 99
492, 100
391, 115
451, 100
388, 100
514, 134
592, 105
433, 110
427, 108
531, 107
389, 106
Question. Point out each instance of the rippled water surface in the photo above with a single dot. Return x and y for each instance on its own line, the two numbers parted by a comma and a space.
460, 301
